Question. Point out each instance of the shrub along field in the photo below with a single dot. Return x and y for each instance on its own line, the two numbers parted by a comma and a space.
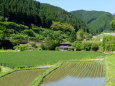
110, 74
38, 58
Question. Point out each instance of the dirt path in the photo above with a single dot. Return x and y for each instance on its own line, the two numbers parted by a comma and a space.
100, 59
47, 66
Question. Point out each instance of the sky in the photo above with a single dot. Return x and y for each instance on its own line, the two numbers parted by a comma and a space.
72, 5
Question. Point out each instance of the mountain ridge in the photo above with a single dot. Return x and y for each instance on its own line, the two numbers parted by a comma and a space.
97, 21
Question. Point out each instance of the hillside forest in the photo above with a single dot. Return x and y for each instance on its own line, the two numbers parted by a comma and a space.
25, 21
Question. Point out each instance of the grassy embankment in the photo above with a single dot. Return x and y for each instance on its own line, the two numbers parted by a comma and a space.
110, 70
37, 81
5, 71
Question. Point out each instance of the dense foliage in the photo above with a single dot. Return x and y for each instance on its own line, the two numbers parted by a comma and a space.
14, 34
113, 23
33, 12
99, 43
87, 46
22, 21
97, 21
20, 11
109, 43
110, 72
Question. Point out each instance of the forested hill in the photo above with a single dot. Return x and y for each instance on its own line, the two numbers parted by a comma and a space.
29, 12
97, 21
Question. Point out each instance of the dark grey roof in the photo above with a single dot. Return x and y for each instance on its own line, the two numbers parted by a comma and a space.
66, 47
67, 42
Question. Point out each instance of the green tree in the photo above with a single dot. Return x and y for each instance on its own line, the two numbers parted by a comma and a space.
50, 45
81, 35
78, 45
112, 23
29, 32
62, 26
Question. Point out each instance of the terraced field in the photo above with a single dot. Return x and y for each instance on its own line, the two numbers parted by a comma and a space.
70, 72
20, 78
83, 73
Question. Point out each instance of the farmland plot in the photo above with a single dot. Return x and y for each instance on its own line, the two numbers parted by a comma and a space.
40, 58
20, 78
83, 73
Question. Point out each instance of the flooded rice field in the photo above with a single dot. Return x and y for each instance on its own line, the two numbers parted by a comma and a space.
83, 73
20, 78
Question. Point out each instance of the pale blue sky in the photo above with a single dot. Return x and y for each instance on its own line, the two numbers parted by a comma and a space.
71, 5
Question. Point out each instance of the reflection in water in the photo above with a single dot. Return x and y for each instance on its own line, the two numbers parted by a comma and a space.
74, 81
83, 73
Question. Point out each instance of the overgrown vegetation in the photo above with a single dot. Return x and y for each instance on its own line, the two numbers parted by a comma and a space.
110, 70
105, 43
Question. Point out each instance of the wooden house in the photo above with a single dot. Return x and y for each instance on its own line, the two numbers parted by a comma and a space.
66, 46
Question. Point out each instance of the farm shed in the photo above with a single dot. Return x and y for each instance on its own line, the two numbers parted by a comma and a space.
65, 46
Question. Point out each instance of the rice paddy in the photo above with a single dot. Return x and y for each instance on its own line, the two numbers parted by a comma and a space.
38, 58
71, 73
82, 73
20, 78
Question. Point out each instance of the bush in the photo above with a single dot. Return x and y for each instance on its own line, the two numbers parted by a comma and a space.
21, 47
109, 43
6, 44
0, 69
87, 46
94, 47
34, 45
57, 48
78, 45
43, 47
50, 45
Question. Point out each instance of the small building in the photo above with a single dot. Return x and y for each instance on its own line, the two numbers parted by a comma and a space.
66, 46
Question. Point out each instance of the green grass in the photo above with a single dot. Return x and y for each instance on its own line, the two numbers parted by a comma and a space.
5, 71
20, 78
38, 58
110, 71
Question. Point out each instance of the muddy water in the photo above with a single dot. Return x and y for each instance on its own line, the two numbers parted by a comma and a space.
90, 73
